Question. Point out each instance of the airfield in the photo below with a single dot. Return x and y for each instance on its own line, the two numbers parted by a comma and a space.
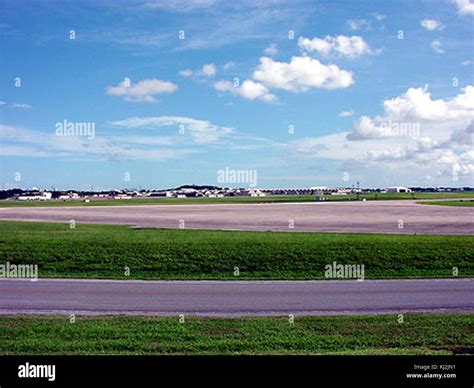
279, 303
395, 216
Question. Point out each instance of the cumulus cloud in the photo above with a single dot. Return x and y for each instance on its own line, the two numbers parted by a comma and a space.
249, 89
142, 91
301, 74
440, 146
200, 131
417, 104
344, 46
414, 108
436, 45
431, 24
453, 156
465, 7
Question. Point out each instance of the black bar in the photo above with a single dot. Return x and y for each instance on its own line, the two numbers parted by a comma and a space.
391, 369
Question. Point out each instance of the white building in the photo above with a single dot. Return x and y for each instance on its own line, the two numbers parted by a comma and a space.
122, 196
257, 193
68, 196
398, 189
44, 196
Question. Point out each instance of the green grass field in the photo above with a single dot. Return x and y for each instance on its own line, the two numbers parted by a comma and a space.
226, 200
418, 334
103, 251
450, 203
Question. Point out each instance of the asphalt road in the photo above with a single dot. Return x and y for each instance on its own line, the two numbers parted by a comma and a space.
234, 298
399, 216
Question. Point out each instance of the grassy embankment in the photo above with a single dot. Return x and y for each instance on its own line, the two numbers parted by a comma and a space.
103, 251
418, 334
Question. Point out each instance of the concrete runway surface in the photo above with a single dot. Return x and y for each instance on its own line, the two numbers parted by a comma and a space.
235, 298
366, 217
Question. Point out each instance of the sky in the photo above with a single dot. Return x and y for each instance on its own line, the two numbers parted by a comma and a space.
156, 94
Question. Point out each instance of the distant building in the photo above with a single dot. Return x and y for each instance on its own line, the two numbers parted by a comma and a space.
44, 196
68, 196
257, 193
122, 196
398, 189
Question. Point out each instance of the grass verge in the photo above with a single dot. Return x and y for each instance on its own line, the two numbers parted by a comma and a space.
103, 251
418, 334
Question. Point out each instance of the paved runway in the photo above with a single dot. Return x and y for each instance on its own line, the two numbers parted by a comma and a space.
366, 217
235, 298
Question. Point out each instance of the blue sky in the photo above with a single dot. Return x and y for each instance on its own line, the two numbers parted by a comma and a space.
178, 90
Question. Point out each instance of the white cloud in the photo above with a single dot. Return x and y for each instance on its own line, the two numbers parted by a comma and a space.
186, 73
228, 65
467, 63
200, 131
208, 70
465, 7
358, 24
346, 113
416, 107
436, 45
301, 74
18, 141
417, 104
21, 106
431, 24
15, 105
249, 89
271, 50
443, 146
379, 16
142, 91
365, 24
344, 46
180, 5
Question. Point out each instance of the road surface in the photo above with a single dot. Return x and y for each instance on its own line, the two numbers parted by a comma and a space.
234, 298
398, 216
